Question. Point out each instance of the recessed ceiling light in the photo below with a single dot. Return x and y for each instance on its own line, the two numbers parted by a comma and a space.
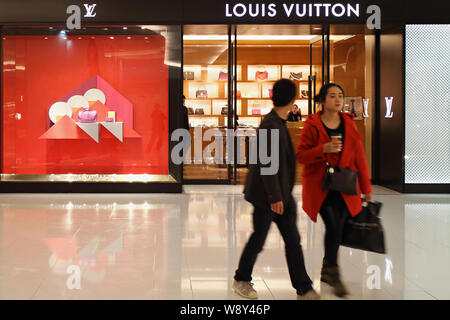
248, 37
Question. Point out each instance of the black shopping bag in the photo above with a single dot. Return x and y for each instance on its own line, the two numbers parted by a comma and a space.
364, 231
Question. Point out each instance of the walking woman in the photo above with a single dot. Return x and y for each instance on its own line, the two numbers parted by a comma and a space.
331, 136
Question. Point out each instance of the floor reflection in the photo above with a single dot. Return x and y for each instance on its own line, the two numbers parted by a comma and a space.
187, 246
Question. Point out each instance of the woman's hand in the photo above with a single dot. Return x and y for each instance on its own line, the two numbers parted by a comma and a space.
332, 147
367, 197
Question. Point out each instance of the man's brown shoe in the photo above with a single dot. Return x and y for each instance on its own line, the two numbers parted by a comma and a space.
245, 289
310, 295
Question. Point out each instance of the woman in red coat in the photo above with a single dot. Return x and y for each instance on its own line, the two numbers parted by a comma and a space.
345, 151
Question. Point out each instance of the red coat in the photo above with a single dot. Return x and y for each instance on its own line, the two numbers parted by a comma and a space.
310, 153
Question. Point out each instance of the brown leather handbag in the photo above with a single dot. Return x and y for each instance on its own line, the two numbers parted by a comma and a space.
295, 76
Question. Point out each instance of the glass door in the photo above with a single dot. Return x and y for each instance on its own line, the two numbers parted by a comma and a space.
207, 75
265, 54
317, 67
352, 65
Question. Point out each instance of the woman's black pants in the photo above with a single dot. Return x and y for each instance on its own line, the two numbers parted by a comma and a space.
334, 213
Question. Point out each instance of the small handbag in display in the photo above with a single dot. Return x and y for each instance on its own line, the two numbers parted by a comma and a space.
270, 93
224, 110
86, 116
304, 93
256, 111
223, 75
238, 94
190, 110
365, 231
340, 179
199, 111
261, 75
201, 93
295, 76
188, 75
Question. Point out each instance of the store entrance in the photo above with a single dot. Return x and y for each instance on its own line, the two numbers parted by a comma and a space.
228, 76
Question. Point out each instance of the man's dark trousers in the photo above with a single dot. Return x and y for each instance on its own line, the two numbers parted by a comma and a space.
287, 224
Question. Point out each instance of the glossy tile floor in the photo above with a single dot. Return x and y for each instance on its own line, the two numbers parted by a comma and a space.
187, 246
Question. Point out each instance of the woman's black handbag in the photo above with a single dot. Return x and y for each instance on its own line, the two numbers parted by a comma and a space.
364, 231
340, 179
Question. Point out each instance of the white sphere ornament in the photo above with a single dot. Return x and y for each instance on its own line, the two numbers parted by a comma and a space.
59, 109
95, 95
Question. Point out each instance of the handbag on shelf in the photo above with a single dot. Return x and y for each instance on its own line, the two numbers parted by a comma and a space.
256, 111
86, 116
340, 179
261, 75
238, 94
224, 110
365, 231
190, 110
188, 75
199, 111
295, 76
304, 93
223, 75
270, 93
201, 93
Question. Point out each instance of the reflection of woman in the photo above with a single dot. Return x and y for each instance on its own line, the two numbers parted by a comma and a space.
315, 149
295, 114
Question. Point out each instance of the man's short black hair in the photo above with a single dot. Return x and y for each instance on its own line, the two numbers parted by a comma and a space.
284, 91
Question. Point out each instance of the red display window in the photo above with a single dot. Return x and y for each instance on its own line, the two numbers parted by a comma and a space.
85, 104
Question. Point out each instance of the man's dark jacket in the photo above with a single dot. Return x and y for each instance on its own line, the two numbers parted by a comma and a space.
262, 190
184, 118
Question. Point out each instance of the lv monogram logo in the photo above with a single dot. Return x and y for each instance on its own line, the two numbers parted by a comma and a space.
389, 113
90, 10
366, 108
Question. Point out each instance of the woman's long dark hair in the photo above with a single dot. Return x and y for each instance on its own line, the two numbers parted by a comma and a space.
322, 96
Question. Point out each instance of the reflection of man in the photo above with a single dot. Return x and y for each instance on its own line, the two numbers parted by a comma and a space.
271, 197
295, 115
184, 115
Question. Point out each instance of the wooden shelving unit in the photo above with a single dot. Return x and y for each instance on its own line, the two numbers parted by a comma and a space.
252, 94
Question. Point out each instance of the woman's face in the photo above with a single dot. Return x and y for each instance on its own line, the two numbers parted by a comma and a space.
294, 109
334, 100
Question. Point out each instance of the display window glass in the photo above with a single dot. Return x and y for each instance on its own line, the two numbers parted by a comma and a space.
87, 102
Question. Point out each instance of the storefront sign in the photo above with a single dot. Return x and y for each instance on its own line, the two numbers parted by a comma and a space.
315, 10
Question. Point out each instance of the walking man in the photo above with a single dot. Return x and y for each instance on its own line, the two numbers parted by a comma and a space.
271, 197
